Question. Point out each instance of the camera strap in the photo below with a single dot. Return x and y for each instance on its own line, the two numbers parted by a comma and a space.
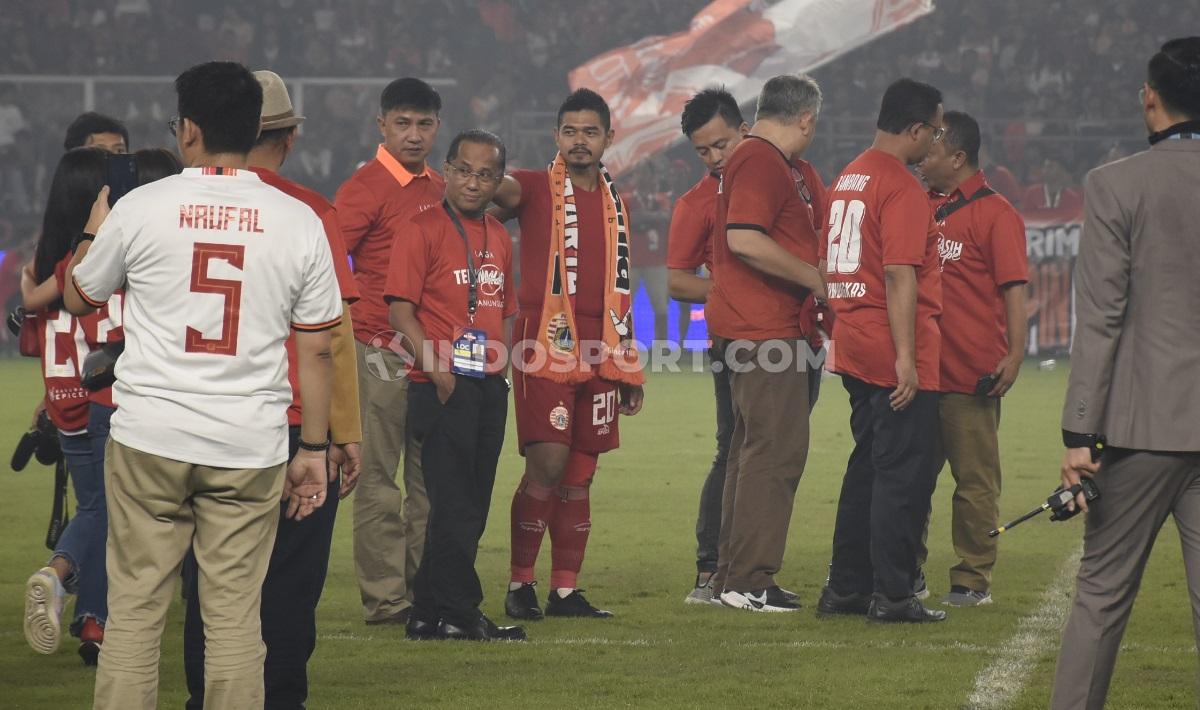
951, 206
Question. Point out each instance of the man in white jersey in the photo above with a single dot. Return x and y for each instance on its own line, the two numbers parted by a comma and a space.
218, 267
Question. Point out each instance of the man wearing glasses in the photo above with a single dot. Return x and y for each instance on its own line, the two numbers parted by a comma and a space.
448, 295
880, 255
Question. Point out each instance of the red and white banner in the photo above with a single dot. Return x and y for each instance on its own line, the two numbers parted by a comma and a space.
737, 43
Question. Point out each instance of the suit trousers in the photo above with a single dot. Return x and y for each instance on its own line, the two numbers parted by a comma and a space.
461, 442
1138, 490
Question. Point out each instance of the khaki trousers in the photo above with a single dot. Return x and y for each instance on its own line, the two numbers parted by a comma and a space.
767, 453
157, 509
1138, 490
389, 526
970, 442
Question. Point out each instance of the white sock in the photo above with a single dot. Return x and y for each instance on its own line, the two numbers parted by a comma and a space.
514, 586
564, 592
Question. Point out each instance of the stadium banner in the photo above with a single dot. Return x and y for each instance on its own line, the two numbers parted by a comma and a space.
738, 43
1051, 246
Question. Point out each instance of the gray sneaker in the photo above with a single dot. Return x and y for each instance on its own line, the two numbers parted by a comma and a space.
702, 593
962, 596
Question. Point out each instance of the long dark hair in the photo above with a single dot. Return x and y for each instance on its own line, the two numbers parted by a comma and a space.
156, 164
77, 179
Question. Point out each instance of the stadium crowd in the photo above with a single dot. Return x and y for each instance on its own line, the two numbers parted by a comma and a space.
1026, 65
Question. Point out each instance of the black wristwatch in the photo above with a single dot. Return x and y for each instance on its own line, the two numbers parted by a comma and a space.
83, 237
324, 446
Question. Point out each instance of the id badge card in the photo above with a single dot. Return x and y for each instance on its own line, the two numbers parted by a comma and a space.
470, 353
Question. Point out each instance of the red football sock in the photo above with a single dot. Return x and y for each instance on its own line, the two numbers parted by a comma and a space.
571, 523
532, 507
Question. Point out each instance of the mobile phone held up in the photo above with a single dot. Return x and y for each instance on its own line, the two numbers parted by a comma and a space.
984, 385
122, 176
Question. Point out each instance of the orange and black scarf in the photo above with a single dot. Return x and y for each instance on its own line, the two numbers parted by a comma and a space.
557, 334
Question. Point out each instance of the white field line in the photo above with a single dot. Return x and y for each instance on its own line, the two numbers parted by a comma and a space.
1002, 680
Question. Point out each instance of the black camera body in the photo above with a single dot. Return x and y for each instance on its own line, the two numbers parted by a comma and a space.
40, 442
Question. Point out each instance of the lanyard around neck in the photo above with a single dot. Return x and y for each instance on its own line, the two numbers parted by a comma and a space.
472, 274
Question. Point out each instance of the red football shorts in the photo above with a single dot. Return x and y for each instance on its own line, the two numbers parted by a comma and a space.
582, 416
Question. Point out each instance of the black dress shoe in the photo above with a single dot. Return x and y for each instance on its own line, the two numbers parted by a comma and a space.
832, 603
419, 629
522, 603
482, 630
574, 605
904, 611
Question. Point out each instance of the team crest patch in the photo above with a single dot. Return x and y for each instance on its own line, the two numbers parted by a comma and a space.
558, 332
560, 418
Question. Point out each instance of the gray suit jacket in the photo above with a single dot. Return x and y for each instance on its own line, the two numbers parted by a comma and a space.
1135, 360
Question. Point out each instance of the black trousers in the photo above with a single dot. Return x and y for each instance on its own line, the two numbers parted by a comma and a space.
708, 520
460, 449
886, 492
295, 578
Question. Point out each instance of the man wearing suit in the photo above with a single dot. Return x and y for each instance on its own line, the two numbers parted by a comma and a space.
1133, 386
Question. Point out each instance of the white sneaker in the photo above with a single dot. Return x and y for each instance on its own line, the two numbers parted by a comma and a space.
43, 611
767, 600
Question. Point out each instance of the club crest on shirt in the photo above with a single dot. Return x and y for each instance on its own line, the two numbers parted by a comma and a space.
560, 418
558, 332
949, 250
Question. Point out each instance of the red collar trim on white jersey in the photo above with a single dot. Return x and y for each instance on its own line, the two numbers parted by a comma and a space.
226, 172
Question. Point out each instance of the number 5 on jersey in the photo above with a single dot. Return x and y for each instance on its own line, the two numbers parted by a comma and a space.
202, 255
845, 236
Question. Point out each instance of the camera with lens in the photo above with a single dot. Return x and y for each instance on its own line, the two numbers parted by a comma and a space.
41, 442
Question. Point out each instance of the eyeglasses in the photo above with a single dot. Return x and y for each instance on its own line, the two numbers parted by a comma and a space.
938, 131
485, 177
173, 124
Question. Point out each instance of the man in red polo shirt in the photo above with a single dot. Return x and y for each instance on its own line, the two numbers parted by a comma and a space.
448, 294
373, 206
881, 260
300, 554
764, 266
984, 270
576, 313
1053, 198
713, 122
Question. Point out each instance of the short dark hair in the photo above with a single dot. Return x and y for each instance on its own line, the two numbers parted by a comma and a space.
704, 106
225, 101
274, 136
91, 123
478, 135
1174, 72
586, 100
410, 92
907, 102
962, 133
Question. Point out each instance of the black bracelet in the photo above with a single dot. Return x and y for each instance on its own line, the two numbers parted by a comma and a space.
83, 237
324, 446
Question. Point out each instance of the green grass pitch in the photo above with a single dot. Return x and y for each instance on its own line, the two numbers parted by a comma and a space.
657, 652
